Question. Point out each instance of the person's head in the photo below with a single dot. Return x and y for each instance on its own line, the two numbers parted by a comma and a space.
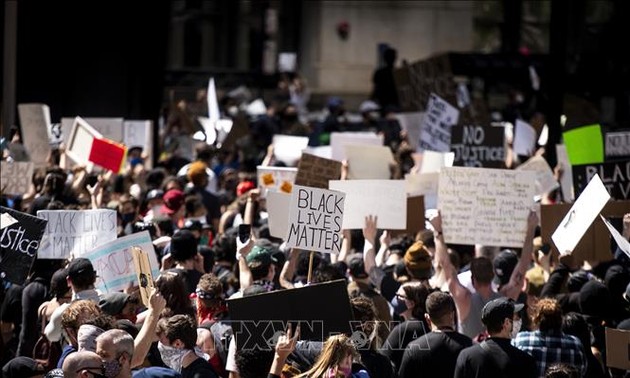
418, 261
194, 209
504, 264
173, 203
499, 315
481, 271
356, 267
440, 310
410, 299
54, 182
22, 367
91, 329
81, 274
77, 313
204, 152
154, 198
177, 335
561, 370
83, 364
595, 300
173, 289
337, 355
574, 324
116, 348
389, 56
197, 174
363, 311
59, 287
261, 263
120, 305
209, 293
183, 246
548, 315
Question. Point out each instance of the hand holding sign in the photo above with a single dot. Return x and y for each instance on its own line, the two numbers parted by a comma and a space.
369, 230
157, 303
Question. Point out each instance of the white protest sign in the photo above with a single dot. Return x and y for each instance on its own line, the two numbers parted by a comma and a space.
545, 180
287, 62
114, 265
423, 184
15, 177
6, 220
618, 143
110, 128
368, 162
566, 180
275, 179
278, 205
435, 133
339, 140
433, 161
35, 122
138, 133
315, 219
622, 242
525, 138
320, 151
411, 123
384, 198
80, 142
213, 105
76, 232
485, 206
581, 215
288, 148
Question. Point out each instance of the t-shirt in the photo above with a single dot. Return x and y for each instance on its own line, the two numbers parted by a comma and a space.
495, 357
34, 294
199, 368
11, 311
399, 337
434, 354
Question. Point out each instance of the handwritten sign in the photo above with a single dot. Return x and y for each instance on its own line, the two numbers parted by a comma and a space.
545, 180
339, 140
485, 206
525, 137
614, 175
384, 198
35, 121
275, 179
76, 232
368, 162
113, 261
19, 243
143, 271
315, 171
582, 214
435, 133
618, 144
315, 219
288, 148
476, 146
15, 177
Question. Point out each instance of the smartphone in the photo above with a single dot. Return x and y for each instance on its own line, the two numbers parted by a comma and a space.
244, 232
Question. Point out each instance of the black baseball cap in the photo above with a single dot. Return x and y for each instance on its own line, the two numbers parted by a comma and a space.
80, 267
497, 310
504, 264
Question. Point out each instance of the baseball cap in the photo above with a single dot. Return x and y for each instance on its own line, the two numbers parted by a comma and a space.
155, 194
192, 224
244, 187
260, 254
173, 201
504, 264
357, 266
80, 267
113, 303
183, 245
21, 367
368, 106
497, 310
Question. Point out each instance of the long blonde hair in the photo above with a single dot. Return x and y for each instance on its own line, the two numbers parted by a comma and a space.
335, 349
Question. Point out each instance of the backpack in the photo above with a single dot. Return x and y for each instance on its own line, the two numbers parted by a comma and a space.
45, 352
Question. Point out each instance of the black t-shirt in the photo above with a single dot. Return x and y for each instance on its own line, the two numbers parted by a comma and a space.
199, 368
376, 364
12, 309
34, 294
399, 337
495, 357
434, 354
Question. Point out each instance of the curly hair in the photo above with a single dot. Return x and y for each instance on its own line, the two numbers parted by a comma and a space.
548, 315
79, 312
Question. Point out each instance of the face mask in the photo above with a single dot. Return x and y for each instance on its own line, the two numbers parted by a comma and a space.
347, 371
201, 219
399, 305
516, 327
128, 217
172, 357
112, 368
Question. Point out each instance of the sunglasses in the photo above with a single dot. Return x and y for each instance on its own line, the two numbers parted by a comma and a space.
100, 374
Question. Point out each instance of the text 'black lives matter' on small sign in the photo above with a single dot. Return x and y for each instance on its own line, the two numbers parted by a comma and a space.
315, 219
477, 146
615, 175
19, 241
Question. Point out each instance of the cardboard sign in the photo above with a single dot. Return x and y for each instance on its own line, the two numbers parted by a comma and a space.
423, 184
433, 161
582, 214
415, 217
435, 133
339, 140
622, 242
315, 219
368, 162
108, 154
80, 140
411, 122
617, 348
73, 233
595, 244
113, 262
315, 171
15, 177
275, 179
585, 145
19, 241
383, 198
288, 148
257, 319
485, 206
143, 271
525, 137
476, 146
618, 144
35, 122
566, 180
278, 206
614, 175
545, 180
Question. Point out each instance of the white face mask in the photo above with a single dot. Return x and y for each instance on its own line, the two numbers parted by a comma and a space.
516, 327
201, 219
172, 357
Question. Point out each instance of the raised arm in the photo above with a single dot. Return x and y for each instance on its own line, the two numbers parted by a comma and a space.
284, 347
143, 341
517, 280
383, 251
369, 233
244, 274
288, 270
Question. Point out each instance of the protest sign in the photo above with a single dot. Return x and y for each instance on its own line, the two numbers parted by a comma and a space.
618, 348
566, 180
316, 171
319, 151
435, 132
213, 105
618, 144
383, 198
525, 137
35, 122
80, 140
433, 161
415, 217
411, 123
622, 242
288, 148
20, 238
15, 177
585, 145
73, 233
545, 180
368, 162
278, 205
275, 179
108, 154
485, 206
143, 272
110, 128
423, 184
476, 146
582, 214
615, 176
315, 219
287, 62
113, 261
339, 140
139, 134
257, 319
